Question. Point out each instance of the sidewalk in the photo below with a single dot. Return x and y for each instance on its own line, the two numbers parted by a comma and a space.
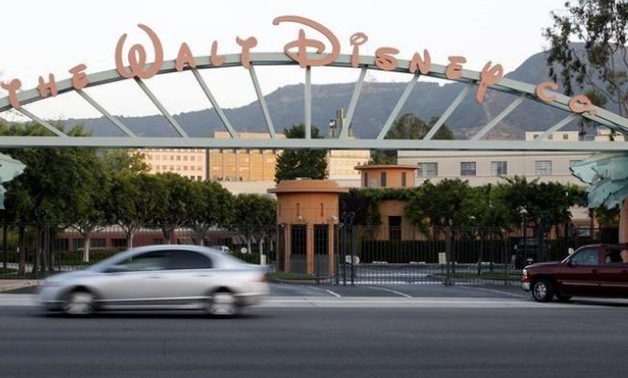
8, 285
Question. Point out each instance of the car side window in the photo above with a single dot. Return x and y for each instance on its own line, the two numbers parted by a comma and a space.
190, 260
146, 262
585, 257
612, 256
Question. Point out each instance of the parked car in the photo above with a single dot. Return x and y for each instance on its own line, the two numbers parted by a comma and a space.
158, 277
592, 270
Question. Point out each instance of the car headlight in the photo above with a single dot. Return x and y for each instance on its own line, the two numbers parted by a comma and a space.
524, 273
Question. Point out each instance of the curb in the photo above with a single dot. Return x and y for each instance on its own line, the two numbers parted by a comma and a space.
8, 285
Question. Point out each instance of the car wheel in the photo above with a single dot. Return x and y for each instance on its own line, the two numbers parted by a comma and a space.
79, 303
222, 303
563, 298
542, 290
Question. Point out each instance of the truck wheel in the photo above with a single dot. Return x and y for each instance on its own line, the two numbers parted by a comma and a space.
542, 290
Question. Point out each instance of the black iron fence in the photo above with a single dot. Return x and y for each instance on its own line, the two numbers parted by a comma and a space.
38, 250
344, 255
448, 255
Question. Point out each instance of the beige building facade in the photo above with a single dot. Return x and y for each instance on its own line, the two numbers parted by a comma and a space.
245, 171
189, 163
216, 164
484, 167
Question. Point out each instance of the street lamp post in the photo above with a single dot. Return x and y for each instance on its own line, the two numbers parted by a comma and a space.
524, 231
332, 128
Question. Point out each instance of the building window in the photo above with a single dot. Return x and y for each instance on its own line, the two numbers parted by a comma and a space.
467, 168
543, 168
78, 244
61, 244
403, 179
382, 179
98, 242
427, 169
118, 243
499, 168
565, 136
366, 180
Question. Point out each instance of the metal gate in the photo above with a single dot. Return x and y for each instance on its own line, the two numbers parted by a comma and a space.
453, 257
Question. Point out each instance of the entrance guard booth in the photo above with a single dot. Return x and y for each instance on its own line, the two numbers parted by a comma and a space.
307, 216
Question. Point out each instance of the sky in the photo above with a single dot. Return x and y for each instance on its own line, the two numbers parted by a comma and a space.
42, 37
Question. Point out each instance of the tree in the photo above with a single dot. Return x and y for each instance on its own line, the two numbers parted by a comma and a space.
439, 204
131, 161
362, 203
253, 214
174, 209
212, 206
602, 63
60, 186
305, 162
408, 127
542, 205
133, 202
86, 211
599, 100
599, 62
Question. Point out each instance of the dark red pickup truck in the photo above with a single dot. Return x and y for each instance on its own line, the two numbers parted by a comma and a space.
592, 270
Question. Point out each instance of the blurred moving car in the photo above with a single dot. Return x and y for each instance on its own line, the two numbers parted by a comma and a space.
592, 270
158, 277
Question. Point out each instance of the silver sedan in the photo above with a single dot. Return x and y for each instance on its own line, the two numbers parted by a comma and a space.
158, 277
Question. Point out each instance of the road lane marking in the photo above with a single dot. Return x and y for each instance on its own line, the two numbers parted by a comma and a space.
391, 291
502, 292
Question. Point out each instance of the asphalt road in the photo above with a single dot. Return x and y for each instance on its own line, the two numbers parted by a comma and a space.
322, 335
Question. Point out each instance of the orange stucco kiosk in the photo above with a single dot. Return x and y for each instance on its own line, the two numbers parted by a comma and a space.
307, 216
